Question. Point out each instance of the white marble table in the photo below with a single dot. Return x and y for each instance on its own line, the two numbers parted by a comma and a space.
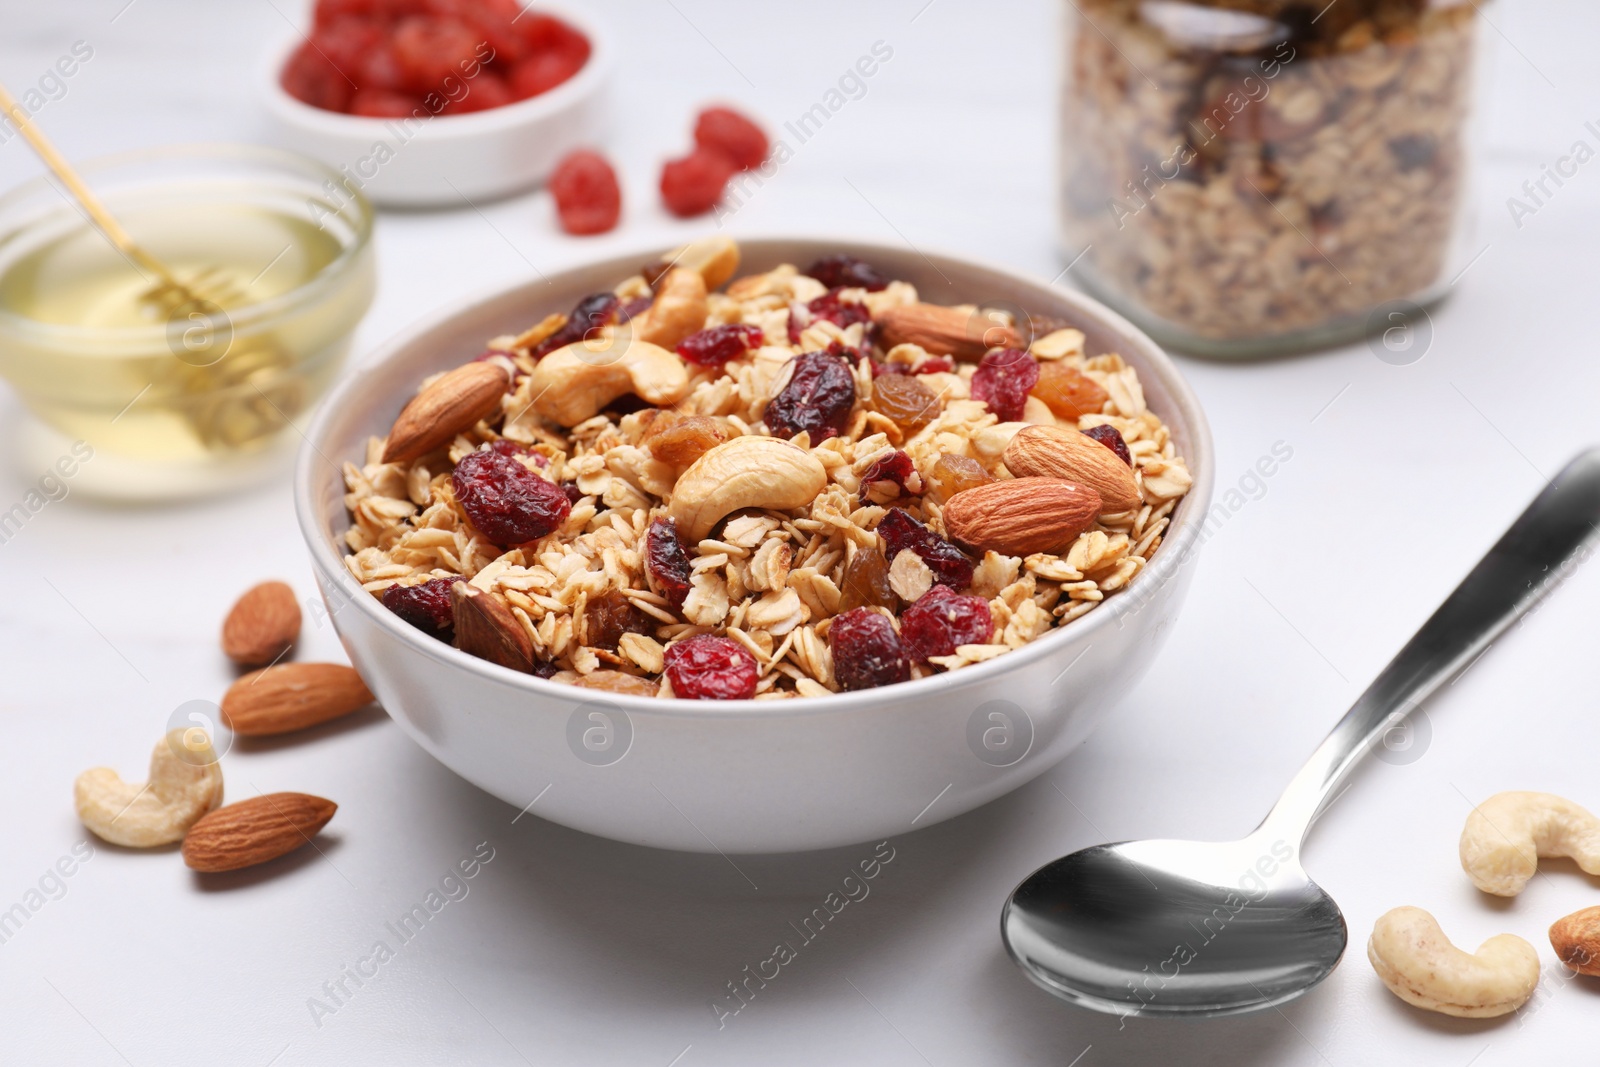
568, 949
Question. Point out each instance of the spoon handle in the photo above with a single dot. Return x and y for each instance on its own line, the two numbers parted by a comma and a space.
1528, 561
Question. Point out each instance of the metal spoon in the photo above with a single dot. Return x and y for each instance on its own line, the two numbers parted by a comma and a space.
1206, 928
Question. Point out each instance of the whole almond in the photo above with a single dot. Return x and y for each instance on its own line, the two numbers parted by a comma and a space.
292, 696
1576, 939
486, 628
262, 625
1020, 516
945, 331
1053, 452
254, 831
452, 404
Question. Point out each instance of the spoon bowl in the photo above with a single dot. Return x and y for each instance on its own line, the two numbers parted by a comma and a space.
1175, 927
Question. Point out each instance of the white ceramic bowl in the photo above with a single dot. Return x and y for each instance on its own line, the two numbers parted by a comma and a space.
440, 160
747, 776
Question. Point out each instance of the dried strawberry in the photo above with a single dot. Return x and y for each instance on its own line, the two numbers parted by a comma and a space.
588, 199
1111, 437
840, 271
426, 606
507, 502
1002, 381
707, 667
893, 467
378, 104
692, 185
591, 313
666, 563
818, 398
717, 345
941, 621
866, 650
486, 91
542, 72
431, 49
309, 77
950, 565
721, 129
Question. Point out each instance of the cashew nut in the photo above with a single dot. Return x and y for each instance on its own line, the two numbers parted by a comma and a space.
576, 382
185, 783
1420, 966
746, 472
679, 309
1507, 835
715, 258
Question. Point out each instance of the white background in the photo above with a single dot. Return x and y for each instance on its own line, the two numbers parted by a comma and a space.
570, 949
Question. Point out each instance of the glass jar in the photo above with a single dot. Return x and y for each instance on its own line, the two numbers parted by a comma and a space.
175, 400
1247, 177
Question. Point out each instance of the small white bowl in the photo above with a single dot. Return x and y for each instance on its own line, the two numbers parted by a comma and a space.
445, 158
746, 775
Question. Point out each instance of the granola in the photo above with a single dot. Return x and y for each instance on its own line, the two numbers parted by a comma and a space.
703, 544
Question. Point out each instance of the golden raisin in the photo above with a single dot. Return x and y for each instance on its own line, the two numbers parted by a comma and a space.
952, 473
1067, 391
681, 441
866, 582
907, 401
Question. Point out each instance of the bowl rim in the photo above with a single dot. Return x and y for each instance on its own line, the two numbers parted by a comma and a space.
589, 79
1182, 539
247, 317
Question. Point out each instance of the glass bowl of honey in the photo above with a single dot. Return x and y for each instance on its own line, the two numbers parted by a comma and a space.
179, 399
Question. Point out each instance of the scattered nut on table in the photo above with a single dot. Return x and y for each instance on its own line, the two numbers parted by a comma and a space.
1420, 966
1576, 939
1507, 835
185, 783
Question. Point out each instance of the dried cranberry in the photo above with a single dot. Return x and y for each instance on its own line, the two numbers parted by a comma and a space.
588, 199
426, 606
935, 365
841, 271
666, 563
893, 467
1002, 381
724, 130
507, 447
941, 621
591, 313
693, 185
717, 345
707, 667
817, 399
950, 565
866, 650
507, 502
634, 308
574, 494
842, 313
1111, 437
882, 367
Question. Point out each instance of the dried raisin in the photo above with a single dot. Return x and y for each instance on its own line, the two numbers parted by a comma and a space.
610, 615
666, 563
817, 400
941, 621
866, 650
507, 502
426, 606
588, 199
909, 403
866, 581
707, 667
715, 346
1003, 380
1111, 437
841, 271
949, 564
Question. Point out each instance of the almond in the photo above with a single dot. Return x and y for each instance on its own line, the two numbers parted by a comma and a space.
1053, 452
945, 331
292, 696
1576, 939
254, 831
1021, 516
486, 628
262, 625
452, 404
